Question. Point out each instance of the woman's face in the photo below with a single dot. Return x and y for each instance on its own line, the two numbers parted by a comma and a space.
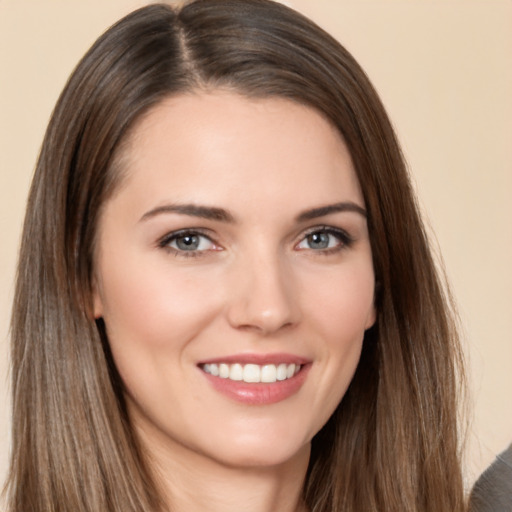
234, 275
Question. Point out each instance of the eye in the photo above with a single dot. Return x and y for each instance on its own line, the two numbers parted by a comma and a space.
187, 242
322, 239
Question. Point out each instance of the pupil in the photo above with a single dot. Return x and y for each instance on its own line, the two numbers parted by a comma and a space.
319, 240
188, 242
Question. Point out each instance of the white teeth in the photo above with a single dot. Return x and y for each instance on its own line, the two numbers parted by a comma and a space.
223, 370
282, 371
236, 372
268, 373
253, 373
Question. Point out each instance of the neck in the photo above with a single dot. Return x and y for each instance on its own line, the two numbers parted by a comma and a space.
191, 482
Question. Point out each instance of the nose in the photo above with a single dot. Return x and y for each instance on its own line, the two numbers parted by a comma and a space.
264, 296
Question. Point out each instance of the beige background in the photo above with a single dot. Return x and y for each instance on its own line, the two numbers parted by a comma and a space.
444, 71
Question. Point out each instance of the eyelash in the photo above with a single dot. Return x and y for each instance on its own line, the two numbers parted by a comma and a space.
164, 243
344, 238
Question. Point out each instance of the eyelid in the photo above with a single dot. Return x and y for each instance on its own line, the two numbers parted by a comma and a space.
346, 240
165, 241
171, 235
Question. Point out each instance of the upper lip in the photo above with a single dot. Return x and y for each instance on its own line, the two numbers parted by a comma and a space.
259, 359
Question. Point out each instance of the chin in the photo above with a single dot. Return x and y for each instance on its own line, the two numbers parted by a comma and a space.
262, 452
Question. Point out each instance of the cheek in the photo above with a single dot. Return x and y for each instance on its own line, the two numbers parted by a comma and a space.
152, 306
151, 315
343, 307
341, 312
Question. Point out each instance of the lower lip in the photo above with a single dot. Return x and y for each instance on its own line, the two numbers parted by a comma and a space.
259, 393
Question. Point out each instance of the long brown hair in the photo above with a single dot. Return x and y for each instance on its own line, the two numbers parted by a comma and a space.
392, 444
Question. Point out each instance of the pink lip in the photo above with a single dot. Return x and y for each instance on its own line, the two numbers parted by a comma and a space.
259, 393
259, 359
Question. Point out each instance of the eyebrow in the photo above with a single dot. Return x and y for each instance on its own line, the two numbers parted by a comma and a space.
219, 214
321, 211
204, 212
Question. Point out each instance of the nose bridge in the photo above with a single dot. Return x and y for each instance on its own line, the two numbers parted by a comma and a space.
264, 296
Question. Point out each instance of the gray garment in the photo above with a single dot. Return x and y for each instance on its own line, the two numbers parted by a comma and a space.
493, 490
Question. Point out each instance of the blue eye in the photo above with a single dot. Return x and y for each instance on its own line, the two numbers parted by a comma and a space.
324, 239
187, 242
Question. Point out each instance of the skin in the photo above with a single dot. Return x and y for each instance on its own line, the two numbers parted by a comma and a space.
257, 283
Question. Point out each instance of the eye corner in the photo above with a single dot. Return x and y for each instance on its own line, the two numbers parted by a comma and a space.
188, 243
328, 239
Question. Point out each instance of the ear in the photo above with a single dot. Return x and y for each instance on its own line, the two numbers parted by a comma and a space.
372, 317
97, 302
372, 314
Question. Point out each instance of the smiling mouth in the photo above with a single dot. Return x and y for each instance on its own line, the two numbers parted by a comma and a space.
252, 373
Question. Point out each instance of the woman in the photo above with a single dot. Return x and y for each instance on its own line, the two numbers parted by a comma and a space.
236, 303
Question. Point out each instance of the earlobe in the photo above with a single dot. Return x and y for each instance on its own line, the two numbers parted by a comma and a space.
372, 318
97, 302
98, 307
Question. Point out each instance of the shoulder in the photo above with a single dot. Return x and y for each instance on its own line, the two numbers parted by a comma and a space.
493, 490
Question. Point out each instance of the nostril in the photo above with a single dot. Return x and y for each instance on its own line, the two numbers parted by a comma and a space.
264, 328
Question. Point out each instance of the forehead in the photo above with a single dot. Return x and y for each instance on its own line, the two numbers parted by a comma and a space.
219, 144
